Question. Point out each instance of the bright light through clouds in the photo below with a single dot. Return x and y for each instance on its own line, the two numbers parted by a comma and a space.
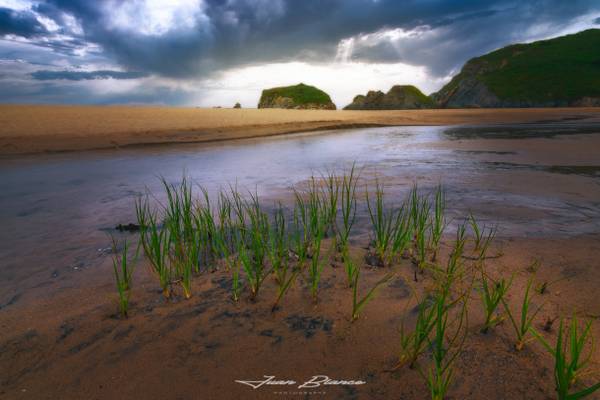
342, 80
216, 53
15, 4
154, 17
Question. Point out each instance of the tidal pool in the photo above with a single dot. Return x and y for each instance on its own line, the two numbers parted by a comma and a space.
58, 209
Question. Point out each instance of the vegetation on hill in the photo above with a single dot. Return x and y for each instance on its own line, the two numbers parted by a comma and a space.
556, 72
567, 67
298, 96
399, 97
417, 94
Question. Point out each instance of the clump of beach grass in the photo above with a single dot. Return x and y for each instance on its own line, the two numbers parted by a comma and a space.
312, 220
446, 345
348, 205
316, 265
155, 243
123, 274
300, 233
455, 259
522, 323
330, 196
483, 236
382, 222
277, 246
413, 343
206, 225
359, 303
348, 217
569, 359
253, 248
279, 256
234, 267
420, 209
450, 329
492, 293
402, 233
181, 233
432, 315
438, 220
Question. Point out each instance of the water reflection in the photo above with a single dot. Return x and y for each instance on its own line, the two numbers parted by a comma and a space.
58, 207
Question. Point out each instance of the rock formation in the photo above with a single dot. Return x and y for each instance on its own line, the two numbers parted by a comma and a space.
399, 97
296, 97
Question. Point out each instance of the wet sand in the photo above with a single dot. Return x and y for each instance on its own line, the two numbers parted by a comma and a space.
35, 129
60, 337
199, 347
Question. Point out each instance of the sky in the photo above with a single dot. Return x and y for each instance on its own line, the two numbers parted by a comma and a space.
205, 53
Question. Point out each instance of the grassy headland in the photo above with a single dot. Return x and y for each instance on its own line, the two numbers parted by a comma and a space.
563, 71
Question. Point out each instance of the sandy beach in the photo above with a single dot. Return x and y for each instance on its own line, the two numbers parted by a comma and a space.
304, 200
173, 349
62, 336
40, 128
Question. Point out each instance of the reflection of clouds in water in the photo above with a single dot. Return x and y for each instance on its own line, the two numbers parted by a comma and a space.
86, 191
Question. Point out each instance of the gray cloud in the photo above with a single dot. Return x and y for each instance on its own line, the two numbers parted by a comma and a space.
597, 21
17, 90
237, 32
20, 23
445, 45
45, 75
443, 34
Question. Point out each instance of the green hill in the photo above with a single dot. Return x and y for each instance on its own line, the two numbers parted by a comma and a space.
298, 96
564, 71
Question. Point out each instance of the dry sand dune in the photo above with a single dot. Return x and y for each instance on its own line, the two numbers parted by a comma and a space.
41, 128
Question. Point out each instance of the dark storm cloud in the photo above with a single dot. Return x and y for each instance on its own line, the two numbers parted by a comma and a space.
443, 45
178, 53
236, 32
437, 34
17, 87
46, 75
50, 11
20, 23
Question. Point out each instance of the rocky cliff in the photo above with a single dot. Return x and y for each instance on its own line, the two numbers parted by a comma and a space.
559, 72
296, 97
399, 97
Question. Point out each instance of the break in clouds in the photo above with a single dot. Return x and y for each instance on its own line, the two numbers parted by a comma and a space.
217, 52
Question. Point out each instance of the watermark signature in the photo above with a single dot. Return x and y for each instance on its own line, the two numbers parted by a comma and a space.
316, 381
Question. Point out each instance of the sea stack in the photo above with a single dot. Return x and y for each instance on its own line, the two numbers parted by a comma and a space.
399, 97
300, 96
